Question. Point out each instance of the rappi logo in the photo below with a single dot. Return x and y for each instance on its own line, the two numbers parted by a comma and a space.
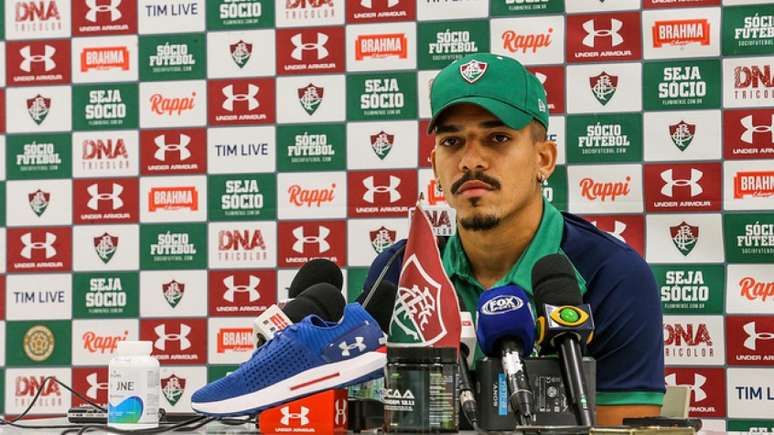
378, 46
92, 382
707, 386
383, 194
176, 342
516, 42
38, 62
753, 290
35, 16
171, 107
671, 187
755, 184
681, 32
112, 200
310, 51
748, 134
178, 151
629, 229
552, 78
750, 340
98, 17
596, 38
39, 249
304, 241
242, 245
98, 343
301, 196
245, 101
369, 11
241, 292
605, 191
25, 387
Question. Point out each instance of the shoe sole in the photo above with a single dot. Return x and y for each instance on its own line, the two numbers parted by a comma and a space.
335, 375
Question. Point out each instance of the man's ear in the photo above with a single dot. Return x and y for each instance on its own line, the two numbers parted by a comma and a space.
546, 157
432, 163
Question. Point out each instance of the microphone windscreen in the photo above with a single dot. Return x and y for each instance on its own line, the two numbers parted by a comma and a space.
321, 299
315, 271
504, 312
554, 282
382, 304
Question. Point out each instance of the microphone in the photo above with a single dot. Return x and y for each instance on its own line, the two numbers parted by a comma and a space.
506, 330
380, 304
563, 322
313, 272
321, 299
467, 349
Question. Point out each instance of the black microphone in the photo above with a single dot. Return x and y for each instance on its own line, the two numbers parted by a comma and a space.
564, 318
315, 271
321, 299
380, 303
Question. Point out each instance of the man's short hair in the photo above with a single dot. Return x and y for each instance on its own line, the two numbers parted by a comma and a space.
538, 131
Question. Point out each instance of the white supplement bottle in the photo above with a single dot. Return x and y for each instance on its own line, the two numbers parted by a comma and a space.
134, 387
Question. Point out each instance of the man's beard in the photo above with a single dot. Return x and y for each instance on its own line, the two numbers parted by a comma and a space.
480, 223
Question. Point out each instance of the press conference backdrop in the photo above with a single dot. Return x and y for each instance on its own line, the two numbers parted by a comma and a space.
169, 165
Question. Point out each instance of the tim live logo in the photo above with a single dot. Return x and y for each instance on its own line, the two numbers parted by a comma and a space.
756, 184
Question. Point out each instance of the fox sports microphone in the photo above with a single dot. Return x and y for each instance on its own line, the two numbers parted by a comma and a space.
506, 330
563, 323
313, 272
321, 299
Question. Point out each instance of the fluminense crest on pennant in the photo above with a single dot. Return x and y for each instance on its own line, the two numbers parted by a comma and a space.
241, 52
684, 237
382, 143
310, 97
603, 86
473, 70
39, 201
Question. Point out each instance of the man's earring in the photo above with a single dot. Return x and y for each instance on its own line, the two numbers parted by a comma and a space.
438, 185
541, 178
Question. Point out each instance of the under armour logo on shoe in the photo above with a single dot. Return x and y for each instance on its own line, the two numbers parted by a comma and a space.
320, 239
372, 189
303, 420
96, 196
693, 182
47, 58
163, 337
592, 33
340, 406
358, 344
251, 288
29, 245
301, 46
250, 97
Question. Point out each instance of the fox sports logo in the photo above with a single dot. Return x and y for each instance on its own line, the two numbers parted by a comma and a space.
502, 304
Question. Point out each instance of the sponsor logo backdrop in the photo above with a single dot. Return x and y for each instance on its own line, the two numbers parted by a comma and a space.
167, 165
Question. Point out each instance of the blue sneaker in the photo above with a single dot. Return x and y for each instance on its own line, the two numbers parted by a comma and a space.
305, 358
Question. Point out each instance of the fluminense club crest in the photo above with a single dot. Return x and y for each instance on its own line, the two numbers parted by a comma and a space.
173, 388
105, 246
417, 314
603, 86
173, 292
310, 97
382, 238
39, 201
472, 71
684, 237
382, 143
38, 108
241, 52
682, 134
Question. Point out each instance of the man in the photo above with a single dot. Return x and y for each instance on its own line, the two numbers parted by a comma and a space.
491, 158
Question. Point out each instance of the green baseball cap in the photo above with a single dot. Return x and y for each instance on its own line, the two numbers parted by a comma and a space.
499, 84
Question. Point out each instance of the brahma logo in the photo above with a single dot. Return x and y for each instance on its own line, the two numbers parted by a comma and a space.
39, 249
682, 134
174, 341
382, 238
593, 38
38, 108
173, 388
684, 237
683, 187
242, 245
603, 87
44, 18
382, 194
105, 246
750, 340
235, 340
94, 343
244, 101
241, 292
173, 292
697, 341
707, 387
97, 17
179, 151
381, 46
309, 240
104, 59
759, 184
681, 32
38, 62
173, 198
